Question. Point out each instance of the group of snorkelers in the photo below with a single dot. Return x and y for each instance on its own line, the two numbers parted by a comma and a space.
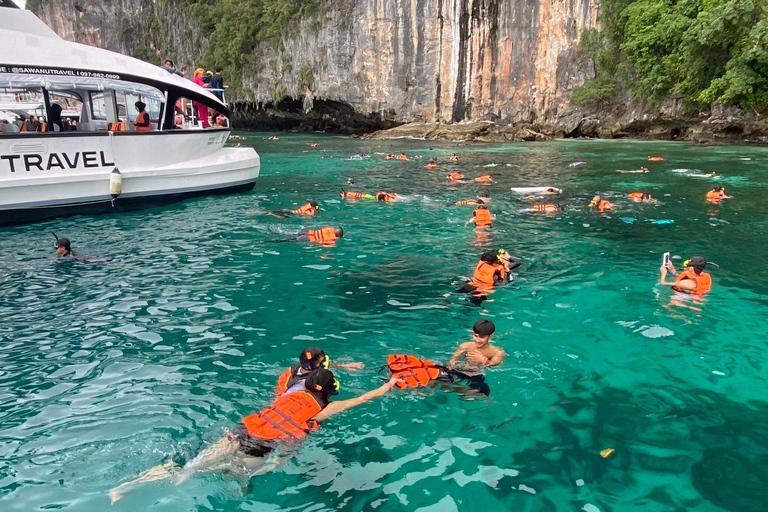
303, 401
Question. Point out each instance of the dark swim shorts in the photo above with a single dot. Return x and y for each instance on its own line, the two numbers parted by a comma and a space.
250, 445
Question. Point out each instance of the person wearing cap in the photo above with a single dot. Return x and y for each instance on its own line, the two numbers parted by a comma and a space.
693, 280
310, 359
64, 249
472, 358
287, 420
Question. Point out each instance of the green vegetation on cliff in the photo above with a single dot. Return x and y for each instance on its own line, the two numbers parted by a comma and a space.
707, 51
235, 28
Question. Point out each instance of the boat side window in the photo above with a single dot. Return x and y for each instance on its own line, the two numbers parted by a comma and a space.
71, 109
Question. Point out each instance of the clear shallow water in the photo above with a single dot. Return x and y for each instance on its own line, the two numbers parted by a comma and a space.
106, 370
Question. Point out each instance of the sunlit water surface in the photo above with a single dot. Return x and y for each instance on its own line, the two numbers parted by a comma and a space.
109, 369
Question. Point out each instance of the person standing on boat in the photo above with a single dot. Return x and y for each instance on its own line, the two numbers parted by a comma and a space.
217, 84
200, 109
54, 123
142, 123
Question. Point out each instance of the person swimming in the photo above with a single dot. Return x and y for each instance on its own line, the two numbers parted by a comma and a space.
288, 420
310, 359
355, 195
465, 202
309, 209
454, 158
693, 280
471, 359
386, 197
63, 248
542, 208
639, 197
716, 195
487, 178
432, 164
455, 176
326, 235
488, 273
601, 204
481, 216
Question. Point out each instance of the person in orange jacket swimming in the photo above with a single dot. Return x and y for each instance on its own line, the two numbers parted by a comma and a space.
455, 176
326, 235
693, 280
286, 421
309, 209
639, 197
355, 195
484, 179
542, 208
494, 268
600, 203
386, 197
432, 164
481, 216
465, 202
717, 194
310, 359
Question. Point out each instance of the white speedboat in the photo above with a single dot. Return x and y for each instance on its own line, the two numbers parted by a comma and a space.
80, 151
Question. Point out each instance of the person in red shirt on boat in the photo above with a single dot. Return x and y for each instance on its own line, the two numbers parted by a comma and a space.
693, 280
142, 122
289, 418
481, 216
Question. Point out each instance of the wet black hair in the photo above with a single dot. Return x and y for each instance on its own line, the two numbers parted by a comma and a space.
717, 189
485, 194
140, 105
489, 257
480, 201
484, 327
314, 204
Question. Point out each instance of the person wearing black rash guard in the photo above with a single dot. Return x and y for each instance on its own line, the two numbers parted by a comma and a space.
64, 249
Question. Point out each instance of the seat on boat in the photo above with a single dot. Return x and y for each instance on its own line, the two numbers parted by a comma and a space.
10, 128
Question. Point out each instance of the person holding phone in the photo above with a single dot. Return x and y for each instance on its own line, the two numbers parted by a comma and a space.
693, 280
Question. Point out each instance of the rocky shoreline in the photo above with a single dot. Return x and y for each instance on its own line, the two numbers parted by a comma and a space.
698, 131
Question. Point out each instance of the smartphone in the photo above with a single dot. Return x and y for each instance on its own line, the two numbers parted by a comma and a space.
665, 259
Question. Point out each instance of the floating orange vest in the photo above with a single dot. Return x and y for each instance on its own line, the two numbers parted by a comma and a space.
703, 282
485, 178
482, 217
546, 208
307, 209
143, 117
323, 236
116, 127
485, 273
412, 371
287, 418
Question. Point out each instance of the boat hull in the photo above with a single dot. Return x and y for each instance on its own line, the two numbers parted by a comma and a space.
46, 177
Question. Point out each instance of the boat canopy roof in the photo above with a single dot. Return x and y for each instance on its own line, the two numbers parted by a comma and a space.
34, 55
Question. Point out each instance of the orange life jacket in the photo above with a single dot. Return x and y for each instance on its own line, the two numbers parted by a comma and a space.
412, 371
455, 176
43, 127
636, 196
482, 217
355, 195
715, 195
546, 208
431, 165
401, 157
655, 159
703, 282
116, 127
485, 178
289, 378
24, 127
465, 202
484, 276
143, 117
307, 209
323, 236
604, 205
287, 418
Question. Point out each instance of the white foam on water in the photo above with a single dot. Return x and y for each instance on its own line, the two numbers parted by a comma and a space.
527, 489
715, 372
318, 267
657, 331
579, 482
393, 302
590, 508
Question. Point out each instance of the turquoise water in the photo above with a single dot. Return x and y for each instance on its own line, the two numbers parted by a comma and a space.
109, 369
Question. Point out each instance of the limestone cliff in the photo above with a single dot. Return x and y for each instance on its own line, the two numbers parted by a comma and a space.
408, 60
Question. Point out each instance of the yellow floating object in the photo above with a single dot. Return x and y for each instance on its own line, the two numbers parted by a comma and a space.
607, 453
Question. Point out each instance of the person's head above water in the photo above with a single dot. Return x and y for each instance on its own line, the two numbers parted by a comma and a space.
312, 358
596, 200
697, 263
314, 205
719, 189
481, 206
489, 257
482, 332
63, 246
339, 231
323, 381
485, 194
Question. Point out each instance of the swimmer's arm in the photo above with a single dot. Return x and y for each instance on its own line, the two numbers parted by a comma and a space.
348, 366
456, 355
685, 285
497, 358
337, 407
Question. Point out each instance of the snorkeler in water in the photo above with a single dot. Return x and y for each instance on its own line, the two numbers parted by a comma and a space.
285, 422
309, 209
310, 359
64, 249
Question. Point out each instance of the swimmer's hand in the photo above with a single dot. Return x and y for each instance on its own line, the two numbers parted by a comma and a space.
391, 383
474, 356
349, 366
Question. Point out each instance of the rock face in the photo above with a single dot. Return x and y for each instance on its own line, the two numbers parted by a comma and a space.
407, 60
